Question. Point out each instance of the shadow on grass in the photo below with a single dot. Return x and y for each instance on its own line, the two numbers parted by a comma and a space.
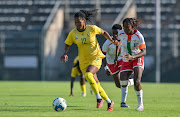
73, 106
39, 95
24, 106
23, 110
78, 109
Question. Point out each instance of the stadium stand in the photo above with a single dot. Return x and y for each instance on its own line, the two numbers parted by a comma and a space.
21, 23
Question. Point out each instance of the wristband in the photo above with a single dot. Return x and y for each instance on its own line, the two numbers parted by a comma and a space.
106, 67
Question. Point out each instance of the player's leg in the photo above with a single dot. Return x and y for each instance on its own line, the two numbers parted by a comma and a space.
73, 75
101, 90
137, 86
124, 87
116, 78
91, 70
72, 85
83, 85
93, 83
138, 66
114, 69
125, 72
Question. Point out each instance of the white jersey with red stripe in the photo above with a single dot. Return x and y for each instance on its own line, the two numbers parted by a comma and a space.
110, 50
135, 41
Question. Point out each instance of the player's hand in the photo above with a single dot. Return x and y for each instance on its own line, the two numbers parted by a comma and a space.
64, 58
115, 62
128, 57
108, 73
115, 42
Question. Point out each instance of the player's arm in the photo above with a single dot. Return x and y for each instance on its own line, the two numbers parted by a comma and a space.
117, 53
107, 36
142, 53
117, 48
64, 57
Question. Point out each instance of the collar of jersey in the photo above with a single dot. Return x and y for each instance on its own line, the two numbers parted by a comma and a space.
81, 31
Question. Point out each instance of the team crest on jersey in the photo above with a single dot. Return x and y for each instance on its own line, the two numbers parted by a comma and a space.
76, 37
88, 35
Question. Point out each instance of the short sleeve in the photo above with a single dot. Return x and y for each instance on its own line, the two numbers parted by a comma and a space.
105, 46
69, 39
97, 30
141, 42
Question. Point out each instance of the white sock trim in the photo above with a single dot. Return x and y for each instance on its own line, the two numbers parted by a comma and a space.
108, 100
124, 82
98, 96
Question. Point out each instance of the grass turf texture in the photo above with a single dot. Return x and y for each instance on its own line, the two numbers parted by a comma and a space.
34, 99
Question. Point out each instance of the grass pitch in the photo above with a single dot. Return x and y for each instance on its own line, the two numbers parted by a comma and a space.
34, 99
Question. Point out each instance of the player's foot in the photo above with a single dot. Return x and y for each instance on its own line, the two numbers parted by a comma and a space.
110, 106
83, 94
99, 103
124, 105
140, 108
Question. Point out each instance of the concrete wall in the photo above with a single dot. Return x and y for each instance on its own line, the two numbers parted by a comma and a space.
53, 46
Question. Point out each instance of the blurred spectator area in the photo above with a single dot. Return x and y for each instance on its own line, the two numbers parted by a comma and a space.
21, 23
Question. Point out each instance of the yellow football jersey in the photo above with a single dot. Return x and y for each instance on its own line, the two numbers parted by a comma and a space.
87, 43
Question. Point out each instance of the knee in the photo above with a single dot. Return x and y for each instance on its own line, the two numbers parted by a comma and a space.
88, 74
124, 83
118, 85
137, 82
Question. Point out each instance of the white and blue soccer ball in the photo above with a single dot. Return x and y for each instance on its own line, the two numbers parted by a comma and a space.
59, 104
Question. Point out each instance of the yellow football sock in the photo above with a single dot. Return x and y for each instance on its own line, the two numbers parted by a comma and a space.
83, 88
92, 82
102, 92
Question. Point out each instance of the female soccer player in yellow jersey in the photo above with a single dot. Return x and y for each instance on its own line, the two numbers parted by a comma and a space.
90, 54
133, 50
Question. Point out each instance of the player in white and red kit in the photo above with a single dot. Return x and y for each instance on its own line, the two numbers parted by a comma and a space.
111, 67
133, 50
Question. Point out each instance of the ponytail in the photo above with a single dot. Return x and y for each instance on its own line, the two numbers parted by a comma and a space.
86, 14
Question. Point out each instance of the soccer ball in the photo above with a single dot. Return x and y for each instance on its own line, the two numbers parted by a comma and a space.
59, 104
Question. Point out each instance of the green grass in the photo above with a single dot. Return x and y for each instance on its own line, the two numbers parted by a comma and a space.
34, 99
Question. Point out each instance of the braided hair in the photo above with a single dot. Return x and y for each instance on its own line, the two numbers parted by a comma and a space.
86, 14
133, 21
